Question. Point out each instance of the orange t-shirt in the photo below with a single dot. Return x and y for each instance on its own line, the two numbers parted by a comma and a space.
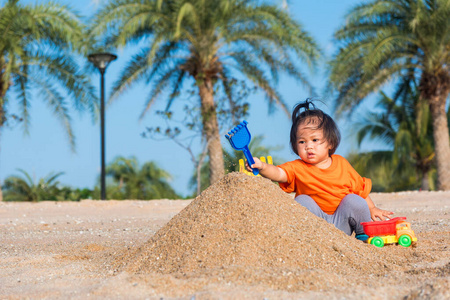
326, 186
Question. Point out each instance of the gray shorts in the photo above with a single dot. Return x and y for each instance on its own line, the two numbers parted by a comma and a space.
352, 210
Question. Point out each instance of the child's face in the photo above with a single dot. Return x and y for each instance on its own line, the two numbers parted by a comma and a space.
311, 145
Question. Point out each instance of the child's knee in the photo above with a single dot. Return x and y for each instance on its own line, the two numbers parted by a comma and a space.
305, 200
309, 203
355, 203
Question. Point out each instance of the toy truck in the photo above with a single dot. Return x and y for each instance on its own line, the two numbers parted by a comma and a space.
393, 231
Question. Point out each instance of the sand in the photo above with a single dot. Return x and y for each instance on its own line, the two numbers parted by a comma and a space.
243, 238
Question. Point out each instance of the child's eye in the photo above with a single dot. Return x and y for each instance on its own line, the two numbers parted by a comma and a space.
315, 140
301, 142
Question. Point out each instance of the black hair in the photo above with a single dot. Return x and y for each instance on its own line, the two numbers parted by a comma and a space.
309, 114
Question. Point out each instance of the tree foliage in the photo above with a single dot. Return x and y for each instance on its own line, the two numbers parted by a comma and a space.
132, 181
38, 45
206, 42
24, 188
390, 40
187, 131
404, 124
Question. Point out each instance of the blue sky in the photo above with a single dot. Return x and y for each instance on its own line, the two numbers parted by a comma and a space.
46, 148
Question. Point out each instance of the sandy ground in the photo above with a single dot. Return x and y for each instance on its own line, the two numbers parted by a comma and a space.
64, 250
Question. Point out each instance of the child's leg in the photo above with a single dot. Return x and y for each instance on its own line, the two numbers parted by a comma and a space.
311, 205
352, 210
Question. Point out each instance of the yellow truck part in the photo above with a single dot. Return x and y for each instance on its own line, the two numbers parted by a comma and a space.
242, 168
404, 240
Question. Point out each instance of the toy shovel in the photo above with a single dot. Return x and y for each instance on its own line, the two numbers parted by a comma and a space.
239, 138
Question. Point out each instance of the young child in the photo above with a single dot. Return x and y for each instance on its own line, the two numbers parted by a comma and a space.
323, 182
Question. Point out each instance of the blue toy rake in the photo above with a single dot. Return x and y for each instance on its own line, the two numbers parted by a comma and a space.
239, 138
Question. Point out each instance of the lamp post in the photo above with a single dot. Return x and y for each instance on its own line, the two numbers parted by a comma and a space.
101, 61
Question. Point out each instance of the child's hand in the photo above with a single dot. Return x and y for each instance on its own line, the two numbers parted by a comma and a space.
377, 213
267, 170
257, 165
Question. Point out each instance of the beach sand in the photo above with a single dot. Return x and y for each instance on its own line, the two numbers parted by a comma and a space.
242, 238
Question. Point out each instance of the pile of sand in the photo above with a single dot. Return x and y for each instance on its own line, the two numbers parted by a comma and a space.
247, 229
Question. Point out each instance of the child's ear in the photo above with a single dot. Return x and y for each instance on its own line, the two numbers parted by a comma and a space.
330, 150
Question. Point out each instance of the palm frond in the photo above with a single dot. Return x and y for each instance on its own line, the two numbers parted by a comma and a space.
37, 46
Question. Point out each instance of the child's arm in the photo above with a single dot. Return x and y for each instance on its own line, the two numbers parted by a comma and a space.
376, 212
267, 170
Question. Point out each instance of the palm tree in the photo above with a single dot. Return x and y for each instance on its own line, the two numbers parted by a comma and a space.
36, 42
407, 129
26, 189
208, 42
135, 182
392, 39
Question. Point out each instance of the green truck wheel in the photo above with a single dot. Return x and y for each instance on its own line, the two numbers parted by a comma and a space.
377, 241
405, 240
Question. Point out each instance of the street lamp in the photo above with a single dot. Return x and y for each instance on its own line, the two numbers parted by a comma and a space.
101, 62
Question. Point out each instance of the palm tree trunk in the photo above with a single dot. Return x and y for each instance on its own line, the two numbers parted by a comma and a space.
425, 183
441, 139
4, 86
1, 127
2, 121
211, 131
